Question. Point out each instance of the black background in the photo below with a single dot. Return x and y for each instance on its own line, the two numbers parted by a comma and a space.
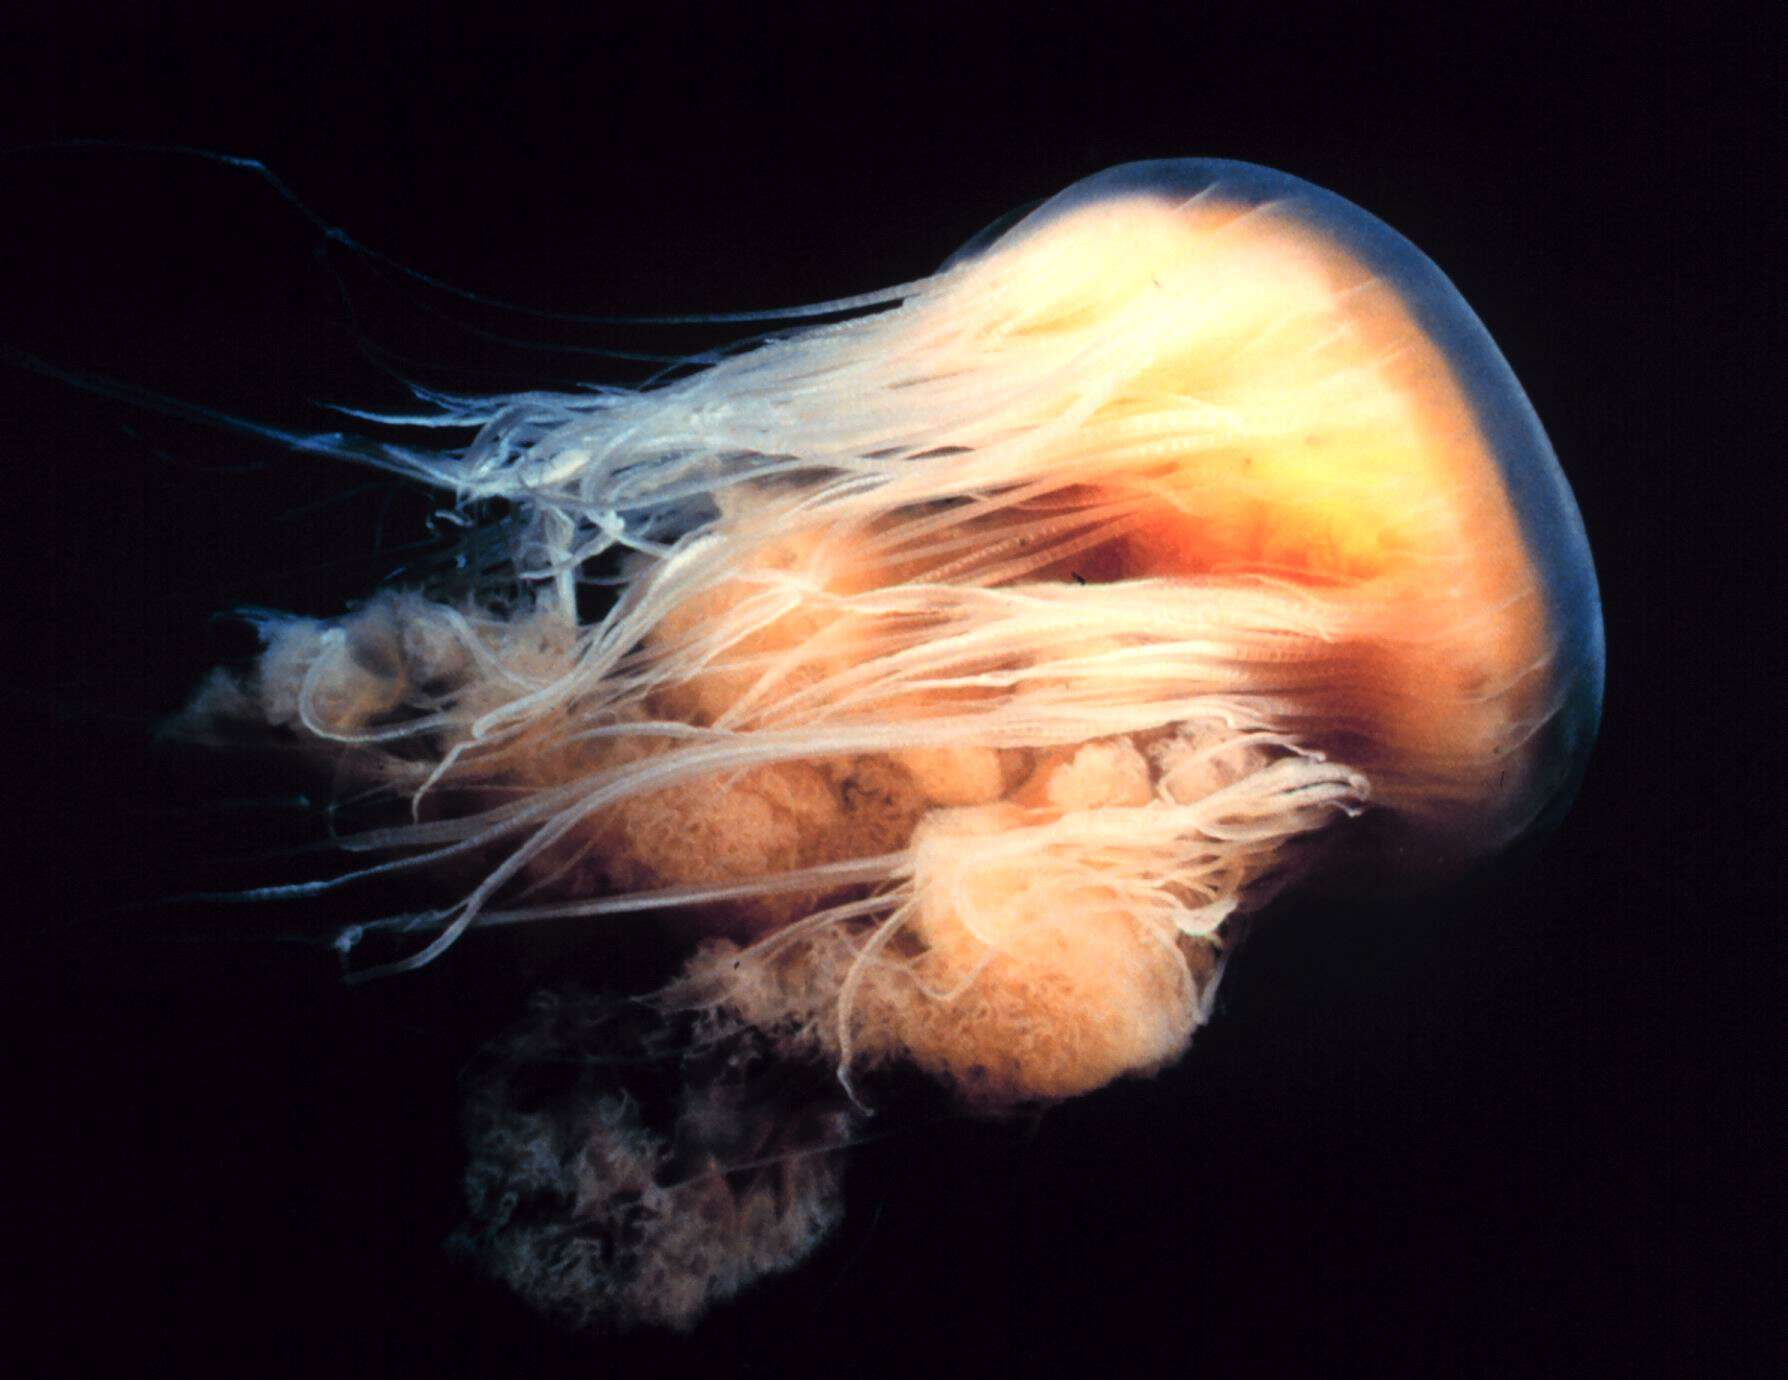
1526, 1130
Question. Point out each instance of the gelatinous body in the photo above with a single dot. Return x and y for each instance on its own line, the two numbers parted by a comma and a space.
984, 656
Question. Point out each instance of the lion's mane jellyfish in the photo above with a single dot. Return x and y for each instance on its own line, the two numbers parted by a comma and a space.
983, 654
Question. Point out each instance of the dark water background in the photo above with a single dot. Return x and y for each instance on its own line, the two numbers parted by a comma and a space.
1518, 1130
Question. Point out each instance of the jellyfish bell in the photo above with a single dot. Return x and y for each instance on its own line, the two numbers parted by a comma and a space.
1387, 447
986, 655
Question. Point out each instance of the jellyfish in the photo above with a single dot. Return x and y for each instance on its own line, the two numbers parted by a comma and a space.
965, 666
